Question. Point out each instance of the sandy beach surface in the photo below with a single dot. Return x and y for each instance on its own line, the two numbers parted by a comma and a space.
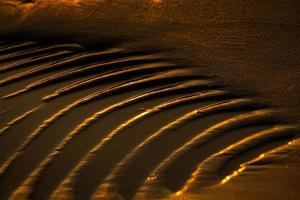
149, 99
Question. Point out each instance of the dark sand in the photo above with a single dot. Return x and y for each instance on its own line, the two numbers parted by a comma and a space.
140, 99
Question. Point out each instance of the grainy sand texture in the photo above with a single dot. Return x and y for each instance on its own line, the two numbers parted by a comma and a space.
149, 99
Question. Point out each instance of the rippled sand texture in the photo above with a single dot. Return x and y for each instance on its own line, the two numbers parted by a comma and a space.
153, 105
106, 121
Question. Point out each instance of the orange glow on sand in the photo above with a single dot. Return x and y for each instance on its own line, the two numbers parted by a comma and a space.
157, 1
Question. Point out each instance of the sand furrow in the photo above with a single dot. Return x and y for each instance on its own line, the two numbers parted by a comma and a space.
26, 188
157, 177
112, 182
17, 46
16, 120
59, 64
33, 60
45, 124
170, 76
37, 51
207, 173
67, 185
94, 68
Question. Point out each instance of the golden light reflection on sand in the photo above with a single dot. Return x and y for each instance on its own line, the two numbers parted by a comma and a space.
157, 2
152, 177
234, 174
178, 193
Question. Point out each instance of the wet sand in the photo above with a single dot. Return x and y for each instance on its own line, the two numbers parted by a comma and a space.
149, 99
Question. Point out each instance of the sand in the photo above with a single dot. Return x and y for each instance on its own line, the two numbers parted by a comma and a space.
149, 99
